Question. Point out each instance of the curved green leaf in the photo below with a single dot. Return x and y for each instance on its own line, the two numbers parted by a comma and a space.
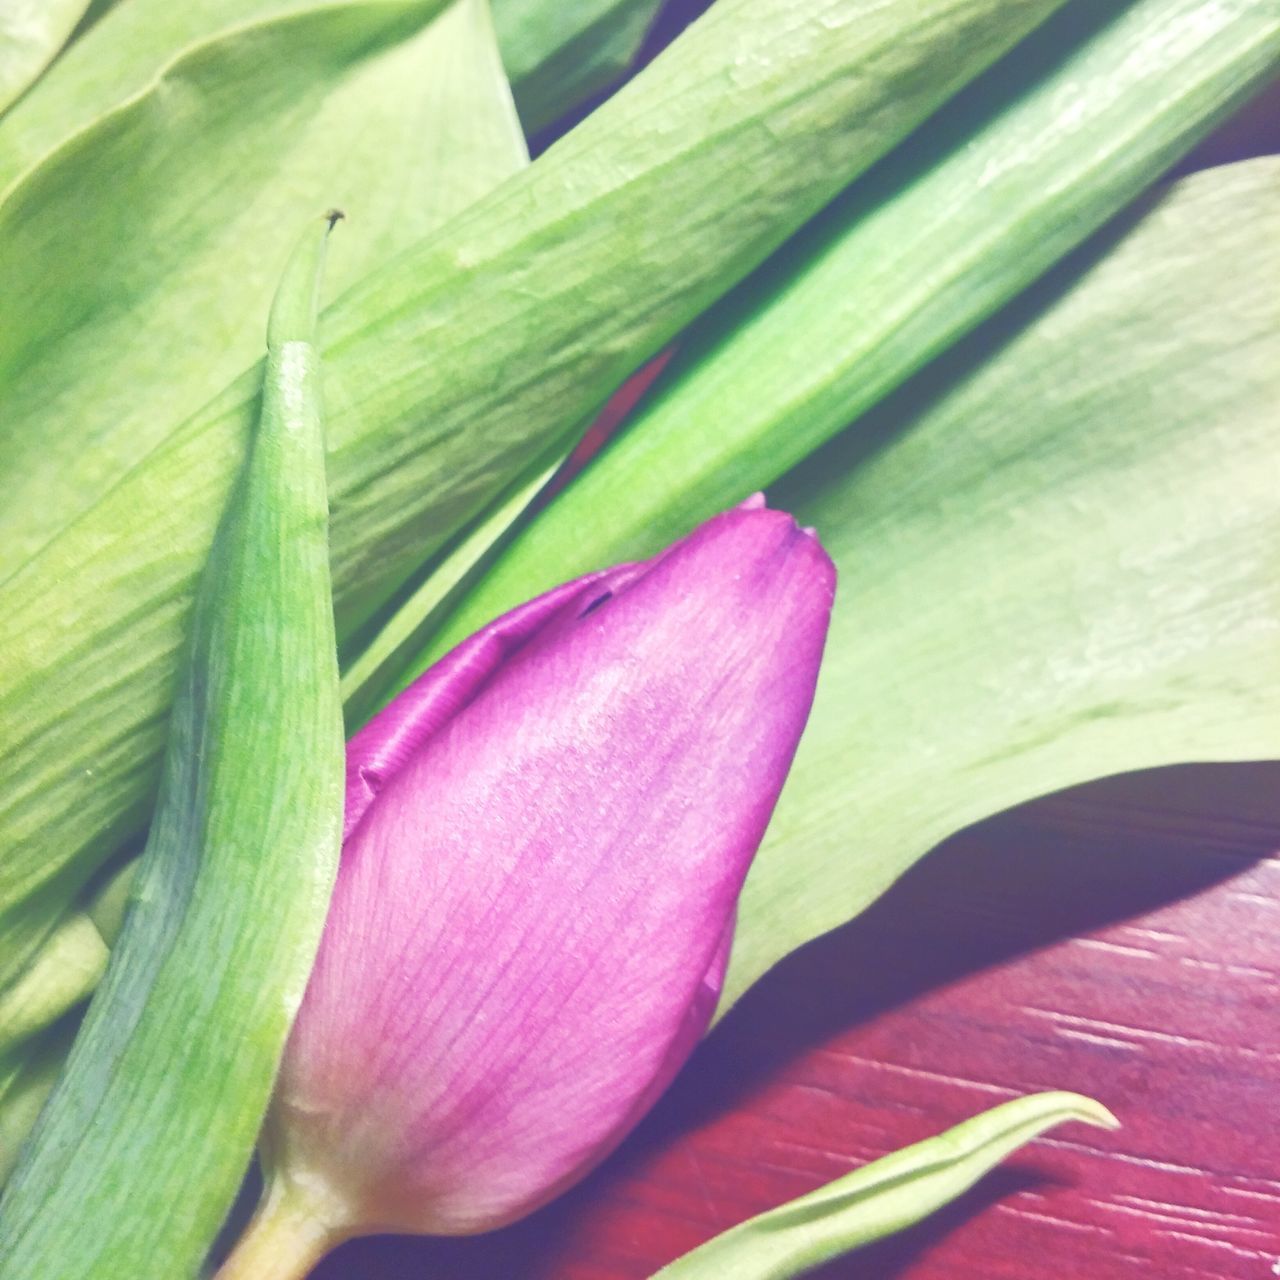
885, 1196
118, 58
453, 371
148, 1132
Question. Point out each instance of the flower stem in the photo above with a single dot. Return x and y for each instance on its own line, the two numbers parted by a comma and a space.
285, 1239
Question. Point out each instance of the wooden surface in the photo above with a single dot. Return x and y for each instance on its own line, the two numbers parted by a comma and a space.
1120, 940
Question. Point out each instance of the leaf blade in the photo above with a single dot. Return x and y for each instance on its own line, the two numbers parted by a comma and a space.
148, 1132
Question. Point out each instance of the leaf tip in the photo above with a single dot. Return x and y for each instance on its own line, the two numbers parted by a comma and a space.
1089, 1111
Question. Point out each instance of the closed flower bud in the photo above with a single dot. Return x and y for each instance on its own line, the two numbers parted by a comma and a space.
546, 839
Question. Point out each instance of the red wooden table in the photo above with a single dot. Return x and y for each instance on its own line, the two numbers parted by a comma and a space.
1121, 940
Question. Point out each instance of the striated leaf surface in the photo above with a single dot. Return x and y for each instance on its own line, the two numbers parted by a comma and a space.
453, 371
132, 258
1014, 174
148, 1132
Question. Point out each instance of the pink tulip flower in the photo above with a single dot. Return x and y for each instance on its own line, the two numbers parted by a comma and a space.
546, 837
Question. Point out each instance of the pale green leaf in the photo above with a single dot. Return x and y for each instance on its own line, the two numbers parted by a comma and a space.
31, 33
1056, 563
1019, 170
885, 1196
452, 372
164, 222
148, 1132
118, 58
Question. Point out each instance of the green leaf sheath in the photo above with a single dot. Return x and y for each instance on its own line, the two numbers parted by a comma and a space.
557, 55
148, 1133
1015, 173
31, 33
450, 373
885, 1196
130, 241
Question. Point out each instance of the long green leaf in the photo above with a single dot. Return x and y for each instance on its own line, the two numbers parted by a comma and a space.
31, 33
127, 243
1021, 168
885, 1196
148, 1133
453, 371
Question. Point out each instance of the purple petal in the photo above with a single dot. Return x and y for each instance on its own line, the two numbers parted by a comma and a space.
379, 750
531, 924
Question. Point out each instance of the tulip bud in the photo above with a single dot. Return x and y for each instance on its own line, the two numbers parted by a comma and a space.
546, 838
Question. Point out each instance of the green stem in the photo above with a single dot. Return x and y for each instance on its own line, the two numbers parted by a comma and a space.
286, 1238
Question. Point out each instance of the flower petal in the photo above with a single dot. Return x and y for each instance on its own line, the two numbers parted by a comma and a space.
529, 926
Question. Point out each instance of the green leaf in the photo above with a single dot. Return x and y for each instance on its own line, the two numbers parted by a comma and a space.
1020, 169
885, 1196
1057, 560
451, 373
31, 33
148, 1132
117, 59
109, 283
557, 55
